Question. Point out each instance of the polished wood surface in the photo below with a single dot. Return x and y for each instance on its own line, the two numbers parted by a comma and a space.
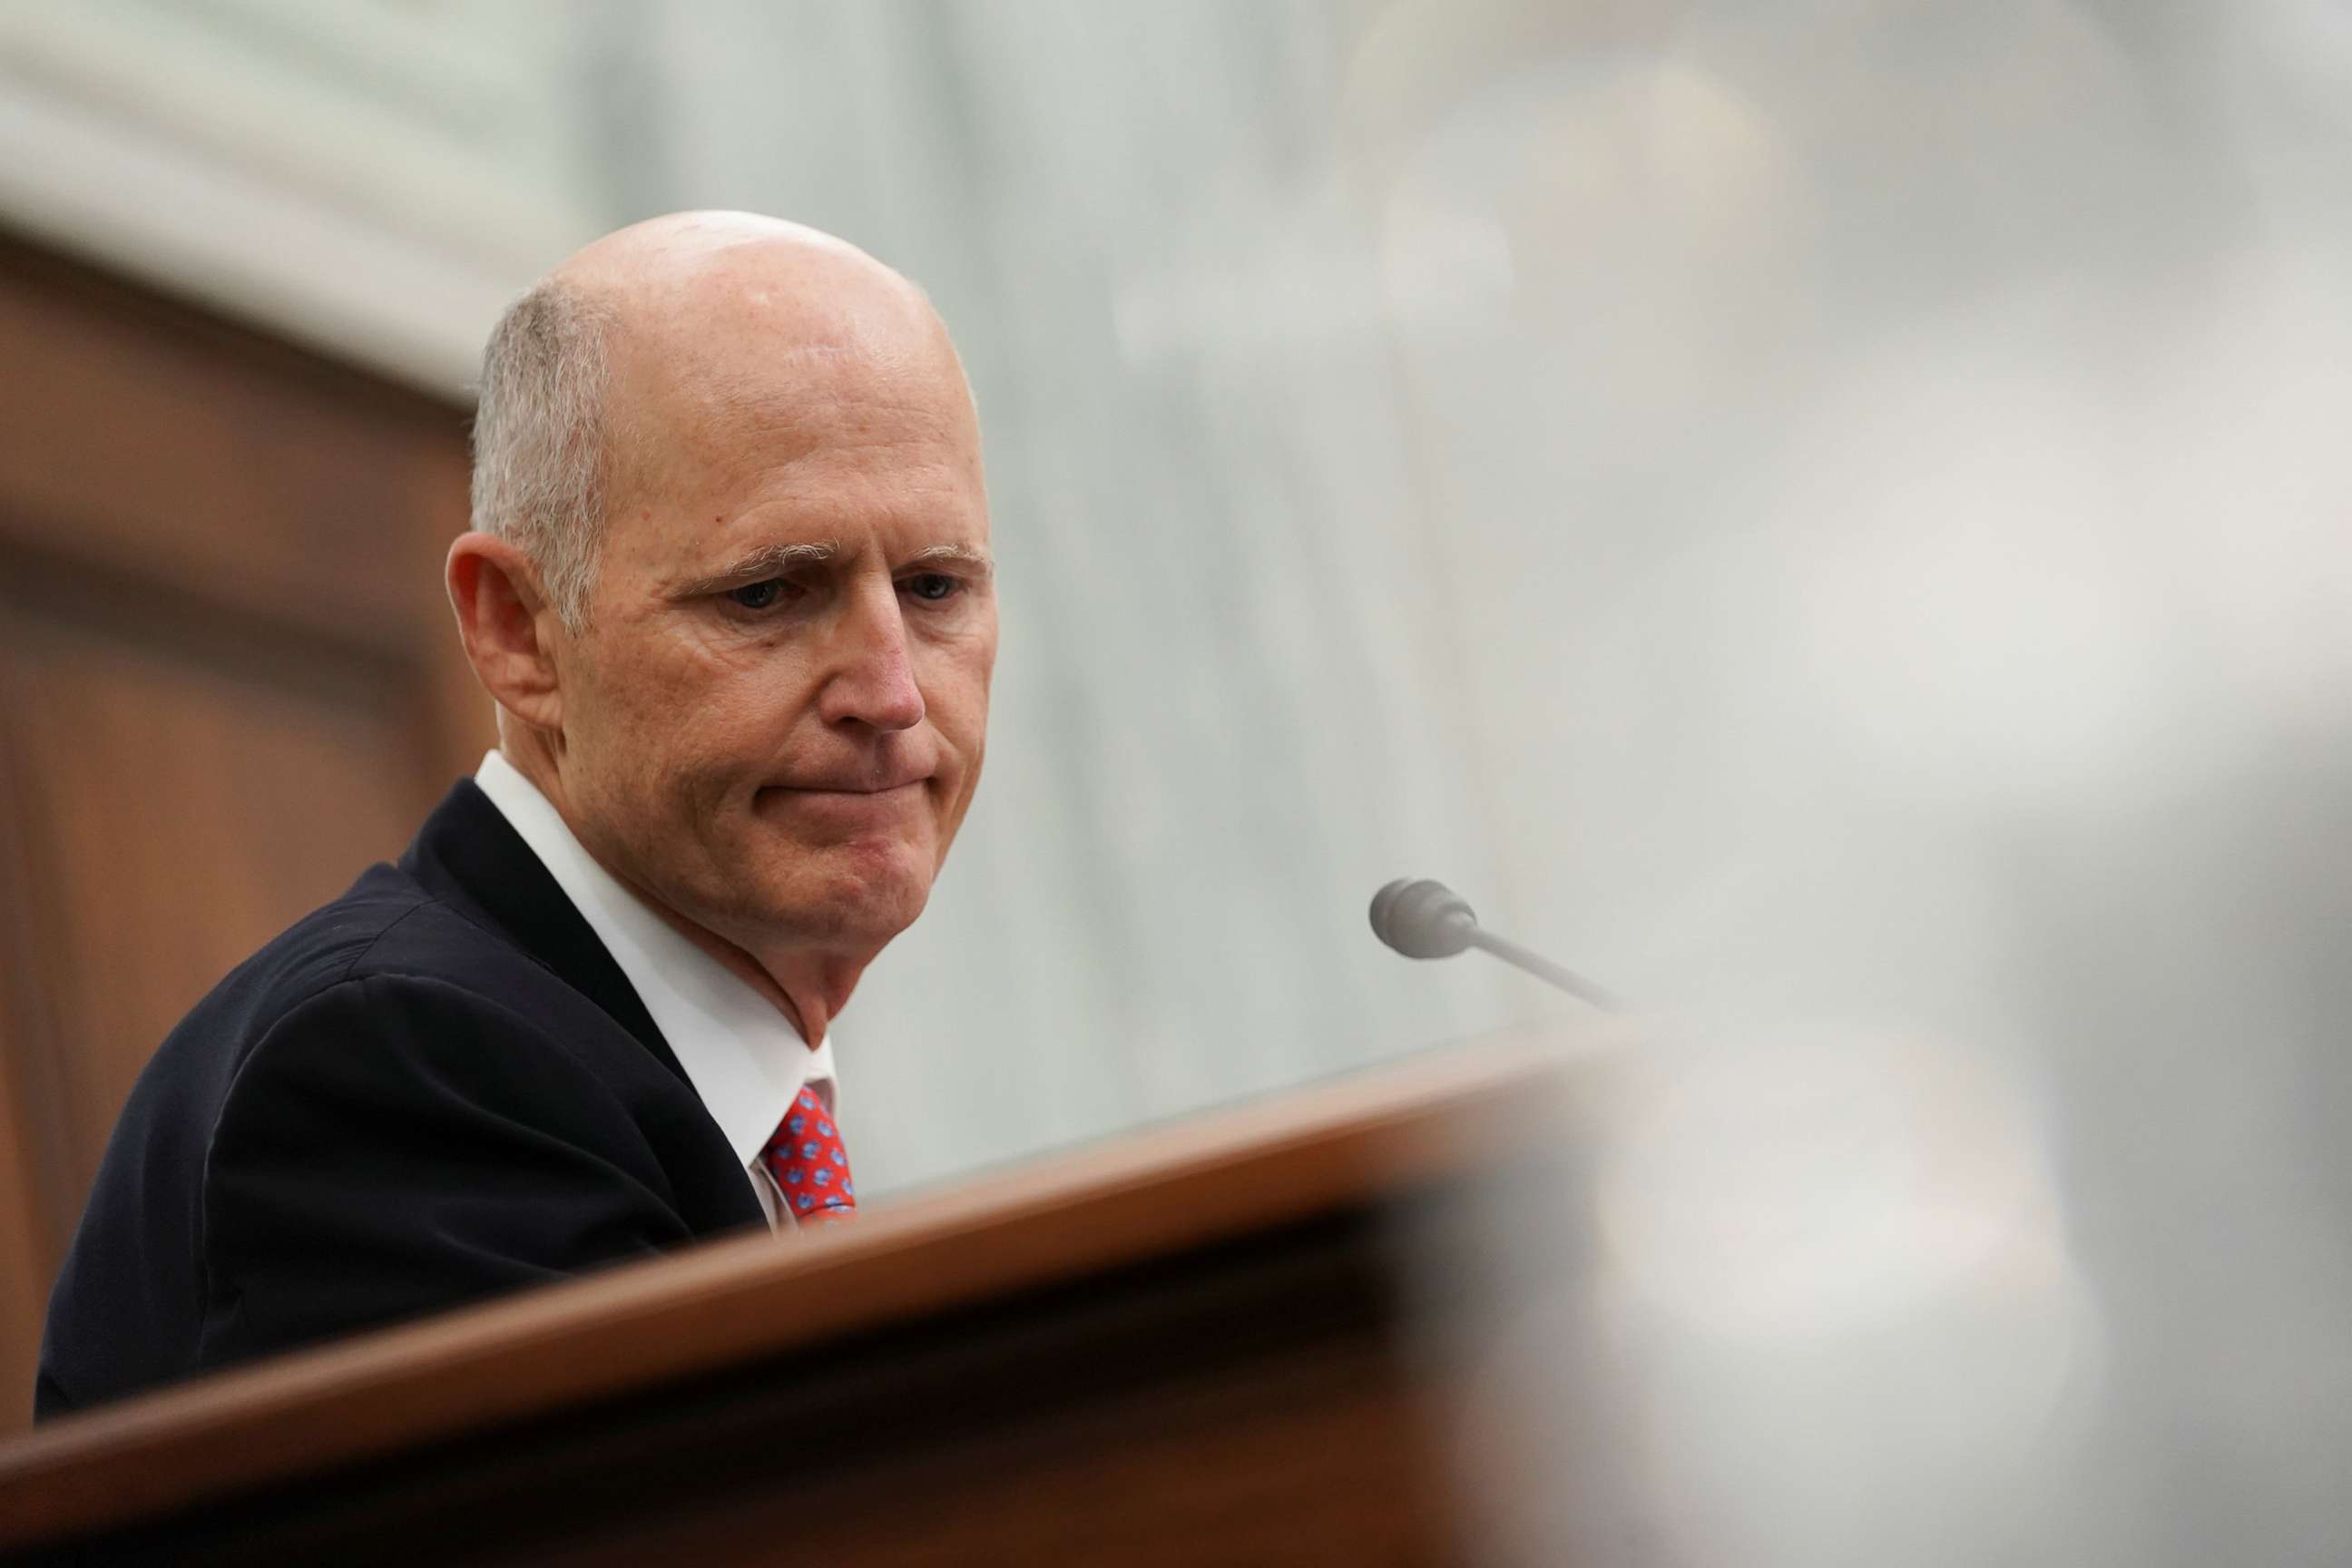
1215, 1338
228, 682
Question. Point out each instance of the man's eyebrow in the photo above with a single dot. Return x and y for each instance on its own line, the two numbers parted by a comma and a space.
971, 557
768, 560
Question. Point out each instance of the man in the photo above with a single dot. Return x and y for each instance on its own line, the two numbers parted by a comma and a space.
728, 583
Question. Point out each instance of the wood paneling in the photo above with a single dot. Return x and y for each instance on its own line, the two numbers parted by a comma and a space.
176, 815
177, 451
227, 683
25, 1242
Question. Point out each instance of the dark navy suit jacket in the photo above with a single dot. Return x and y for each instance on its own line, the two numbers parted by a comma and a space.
439, 1088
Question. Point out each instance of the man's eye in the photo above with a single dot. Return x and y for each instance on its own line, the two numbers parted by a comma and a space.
758, 596
933, 586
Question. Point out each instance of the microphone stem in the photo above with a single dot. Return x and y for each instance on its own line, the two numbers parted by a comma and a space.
1544, 969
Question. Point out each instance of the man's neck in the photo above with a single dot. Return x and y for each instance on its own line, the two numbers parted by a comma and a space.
808, 988
809, 992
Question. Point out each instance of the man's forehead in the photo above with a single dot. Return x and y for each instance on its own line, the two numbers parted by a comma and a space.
732, 406
830, 451
802, 419
761, 355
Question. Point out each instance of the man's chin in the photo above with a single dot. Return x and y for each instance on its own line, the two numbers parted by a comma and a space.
864, 903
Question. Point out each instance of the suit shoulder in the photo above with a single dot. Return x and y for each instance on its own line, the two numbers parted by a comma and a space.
323, 945
386, 923
433, 940
387, 927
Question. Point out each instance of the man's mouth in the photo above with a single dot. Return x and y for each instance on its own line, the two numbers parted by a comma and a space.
890, 784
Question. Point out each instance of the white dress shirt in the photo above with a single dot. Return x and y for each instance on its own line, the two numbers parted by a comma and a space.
744, 1057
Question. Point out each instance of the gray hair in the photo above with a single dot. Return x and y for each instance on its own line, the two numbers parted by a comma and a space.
540, 437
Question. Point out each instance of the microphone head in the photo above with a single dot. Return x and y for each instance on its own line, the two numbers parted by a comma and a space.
1422, 919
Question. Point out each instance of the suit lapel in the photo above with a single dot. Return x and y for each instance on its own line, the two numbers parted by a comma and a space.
467, 854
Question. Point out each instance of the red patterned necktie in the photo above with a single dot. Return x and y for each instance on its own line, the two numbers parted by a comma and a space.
811, 1167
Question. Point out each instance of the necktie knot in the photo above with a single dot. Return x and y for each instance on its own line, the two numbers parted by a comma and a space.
809, 1164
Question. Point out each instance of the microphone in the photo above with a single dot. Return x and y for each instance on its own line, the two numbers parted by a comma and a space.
1422, 919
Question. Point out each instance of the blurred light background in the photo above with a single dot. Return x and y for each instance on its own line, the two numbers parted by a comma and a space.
1831, 516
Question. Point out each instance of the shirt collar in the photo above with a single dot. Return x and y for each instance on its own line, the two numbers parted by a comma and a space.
744, 1057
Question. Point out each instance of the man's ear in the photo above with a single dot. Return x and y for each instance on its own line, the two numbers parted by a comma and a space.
508, 626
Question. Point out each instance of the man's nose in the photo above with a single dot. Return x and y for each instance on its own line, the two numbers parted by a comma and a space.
873, 680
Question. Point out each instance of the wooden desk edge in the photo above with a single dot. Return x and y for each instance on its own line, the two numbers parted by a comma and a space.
638, 1324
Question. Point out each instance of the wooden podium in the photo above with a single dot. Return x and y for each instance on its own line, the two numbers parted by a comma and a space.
1189, 1347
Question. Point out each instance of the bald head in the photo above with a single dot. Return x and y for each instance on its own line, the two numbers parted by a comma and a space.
693, 282
629, 350
664, 259
731, 584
